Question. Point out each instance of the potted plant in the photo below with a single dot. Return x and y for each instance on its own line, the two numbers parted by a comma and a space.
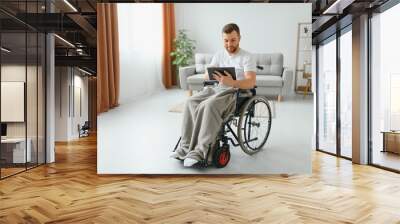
183, 51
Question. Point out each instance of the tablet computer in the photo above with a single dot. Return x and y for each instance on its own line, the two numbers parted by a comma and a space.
230, 70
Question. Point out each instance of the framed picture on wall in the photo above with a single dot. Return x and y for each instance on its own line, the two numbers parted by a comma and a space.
12, 101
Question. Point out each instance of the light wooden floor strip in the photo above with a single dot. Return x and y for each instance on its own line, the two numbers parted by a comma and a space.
70, 191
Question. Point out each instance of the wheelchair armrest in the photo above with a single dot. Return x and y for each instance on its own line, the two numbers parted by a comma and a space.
210, 82
253, 91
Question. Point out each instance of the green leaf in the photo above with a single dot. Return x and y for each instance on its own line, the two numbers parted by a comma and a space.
183, 48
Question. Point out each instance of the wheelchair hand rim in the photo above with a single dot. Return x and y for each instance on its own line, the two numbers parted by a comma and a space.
243, 121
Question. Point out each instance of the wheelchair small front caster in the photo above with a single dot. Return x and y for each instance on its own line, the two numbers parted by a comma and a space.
222, 156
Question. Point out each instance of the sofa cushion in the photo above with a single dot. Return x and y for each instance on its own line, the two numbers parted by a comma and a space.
272, 64
201, 61
269, 70
195, 79
269, 80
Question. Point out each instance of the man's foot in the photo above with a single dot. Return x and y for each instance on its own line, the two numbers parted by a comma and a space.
188, 162
175, 155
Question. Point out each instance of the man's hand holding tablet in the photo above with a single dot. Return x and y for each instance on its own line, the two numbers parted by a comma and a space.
224, 75
225, 78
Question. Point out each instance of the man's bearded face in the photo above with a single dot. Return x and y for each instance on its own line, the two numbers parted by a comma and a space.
231, 41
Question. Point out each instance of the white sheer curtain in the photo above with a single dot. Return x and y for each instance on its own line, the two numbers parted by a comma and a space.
140, 39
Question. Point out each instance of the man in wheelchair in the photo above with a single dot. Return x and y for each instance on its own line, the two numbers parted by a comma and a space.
205, 111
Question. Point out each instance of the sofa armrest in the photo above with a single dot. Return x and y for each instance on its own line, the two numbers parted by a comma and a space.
287, 77
184, 73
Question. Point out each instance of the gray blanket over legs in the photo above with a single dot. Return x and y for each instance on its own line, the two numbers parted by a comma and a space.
203, 116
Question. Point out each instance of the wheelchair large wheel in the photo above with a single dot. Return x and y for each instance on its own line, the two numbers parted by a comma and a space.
254, 124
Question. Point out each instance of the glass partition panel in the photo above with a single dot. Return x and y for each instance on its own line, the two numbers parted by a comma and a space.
31, 100
22, 77
14, 153
41, 107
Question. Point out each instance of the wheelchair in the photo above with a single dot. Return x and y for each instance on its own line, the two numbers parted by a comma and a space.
248, 127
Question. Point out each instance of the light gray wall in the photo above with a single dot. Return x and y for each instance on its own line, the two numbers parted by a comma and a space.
66, 120
61, 103
265, 28
80, 83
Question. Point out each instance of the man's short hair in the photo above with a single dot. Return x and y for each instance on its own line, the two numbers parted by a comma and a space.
230, 27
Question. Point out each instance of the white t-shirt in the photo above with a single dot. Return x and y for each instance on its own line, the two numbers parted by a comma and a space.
243, 61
